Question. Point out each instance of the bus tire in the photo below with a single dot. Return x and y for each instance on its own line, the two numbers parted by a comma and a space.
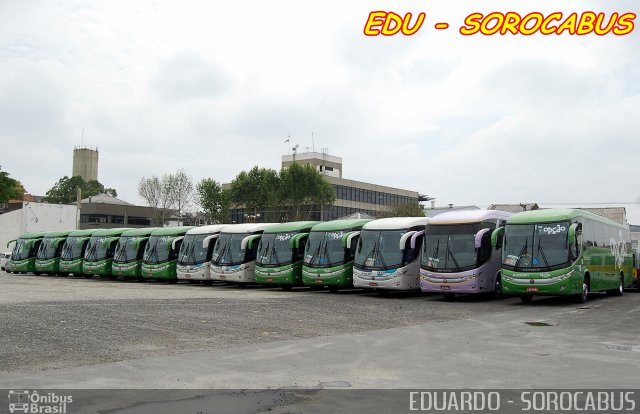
526, 298
497, 290
449, 296
582, 297
619, 290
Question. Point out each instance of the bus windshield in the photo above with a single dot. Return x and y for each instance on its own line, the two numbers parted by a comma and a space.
379, 249
536, 246
227, 250
324, 249
96, 250
126, 249
22, 250
46, 250
450, 247
72, 249
159, 250
191, 251
274, 249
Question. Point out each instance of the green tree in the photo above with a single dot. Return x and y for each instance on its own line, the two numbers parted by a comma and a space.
403, 210
213, 199
10, 188
302, 185
65, 190
258, 188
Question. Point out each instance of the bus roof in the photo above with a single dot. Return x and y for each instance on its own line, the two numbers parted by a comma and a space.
396, 223
110, 232
81, 233
249, 227
353, 224
213, 229
139, 232
58, 233
302, 226
469, 216
558, 214
172, 231
32, 235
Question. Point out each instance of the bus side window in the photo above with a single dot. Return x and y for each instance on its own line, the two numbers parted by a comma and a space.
250, 254
299, 252
484, 252
173, 253
350, 253
141, 249
112, 248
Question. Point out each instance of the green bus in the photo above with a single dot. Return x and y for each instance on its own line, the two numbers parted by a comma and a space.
48, 257
161, 253
564, 252
127, 259
280, 254
23, 256
99, 254
328, 256
73, 251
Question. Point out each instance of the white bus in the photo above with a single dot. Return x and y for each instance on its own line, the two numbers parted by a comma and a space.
234, 255
387, 254
196, 251
457, 256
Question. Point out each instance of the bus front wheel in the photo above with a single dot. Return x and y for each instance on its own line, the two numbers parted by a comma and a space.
497, 291
582, 297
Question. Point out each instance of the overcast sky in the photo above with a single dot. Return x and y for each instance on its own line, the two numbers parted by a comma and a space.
216, 87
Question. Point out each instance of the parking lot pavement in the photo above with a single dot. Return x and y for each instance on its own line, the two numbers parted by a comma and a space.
65, 332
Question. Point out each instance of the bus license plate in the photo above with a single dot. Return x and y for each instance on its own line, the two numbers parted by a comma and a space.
373, 283
269, 280
223, 277
445, 287
532, 289
318, 281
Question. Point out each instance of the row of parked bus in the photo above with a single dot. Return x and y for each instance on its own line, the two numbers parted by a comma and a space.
542, 252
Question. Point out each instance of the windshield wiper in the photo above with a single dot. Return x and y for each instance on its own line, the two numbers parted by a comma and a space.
274, 254
522, 251
380, 256
313, 256
541, 251
92, 251
450, 253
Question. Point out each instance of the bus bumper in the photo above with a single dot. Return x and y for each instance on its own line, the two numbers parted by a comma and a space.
198, 272
287, 278
393, 280
558, 285
237, 273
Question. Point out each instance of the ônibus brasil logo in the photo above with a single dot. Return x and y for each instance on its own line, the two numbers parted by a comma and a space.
25, 401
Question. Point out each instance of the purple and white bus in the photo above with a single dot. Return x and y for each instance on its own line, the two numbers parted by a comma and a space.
457, 257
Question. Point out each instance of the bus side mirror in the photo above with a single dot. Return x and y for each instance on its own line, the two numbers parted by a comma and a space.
403, 240
347, 239
497, 237
207, 240
175, 241
574, 230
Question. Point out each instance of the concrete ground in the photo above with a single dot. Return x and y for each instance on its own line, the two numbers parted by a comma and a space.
76, 333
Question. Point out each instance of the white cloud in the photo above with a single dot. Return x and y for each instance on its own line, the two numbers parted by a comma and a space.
216, 87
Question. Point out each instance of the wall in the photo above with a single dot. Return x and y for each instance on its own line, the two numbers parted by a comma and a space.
36, 217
